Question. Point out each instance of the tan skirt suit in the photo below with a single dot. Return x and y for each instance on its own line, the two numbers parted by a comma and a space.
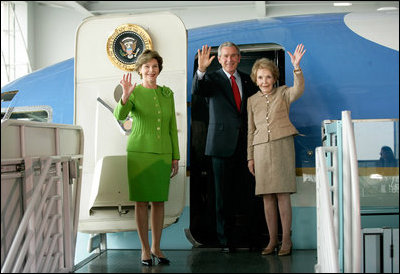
270, 138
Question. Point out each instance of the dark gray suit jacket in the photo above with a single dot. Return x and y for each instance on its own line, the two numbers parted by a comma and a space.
225, 121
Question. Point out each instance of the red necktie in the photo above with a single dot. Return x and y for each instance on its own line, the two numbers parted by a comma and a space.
236, 92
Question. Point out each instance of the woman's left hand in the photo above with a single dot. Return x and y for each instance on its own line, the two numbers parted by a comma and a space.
250, 165
297, 55
174, 168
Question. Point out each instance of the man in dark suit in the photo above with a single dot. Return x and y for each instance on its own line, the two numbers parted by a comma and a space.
227, 91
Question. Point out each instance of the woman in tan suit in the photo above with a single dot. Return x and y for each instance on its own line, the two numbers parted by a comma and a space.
271, 154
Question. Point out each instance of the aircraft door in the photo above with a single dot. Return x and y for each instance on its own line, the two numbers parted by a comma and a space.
249, 212
106, 47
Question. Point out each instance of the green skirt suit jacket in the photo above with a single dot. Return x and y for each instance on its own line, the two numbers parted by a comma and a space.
152, 143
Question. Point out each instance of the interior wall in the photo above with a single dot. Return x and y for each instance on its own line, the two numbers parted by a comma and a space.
54, 29
53, 35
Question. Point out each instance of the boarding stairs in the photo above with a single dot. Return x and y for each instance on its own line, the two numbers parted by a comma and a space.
40, 194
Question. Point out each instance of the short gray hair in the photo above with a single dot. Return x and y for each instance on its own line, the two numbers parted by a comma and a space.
227, 44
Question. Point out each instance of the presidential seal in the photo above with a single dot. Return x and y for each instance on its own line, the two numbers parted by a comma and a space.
126, 44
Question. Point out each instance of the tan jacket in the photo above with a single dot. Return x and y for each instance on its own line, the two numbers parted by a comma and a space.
268, 115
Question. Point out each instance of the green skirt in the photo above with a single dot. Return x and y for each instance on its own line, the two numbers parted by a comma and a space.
148, 176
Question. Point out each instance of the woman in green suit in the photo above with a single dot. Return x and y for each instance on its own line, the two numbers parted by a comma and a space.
152, 149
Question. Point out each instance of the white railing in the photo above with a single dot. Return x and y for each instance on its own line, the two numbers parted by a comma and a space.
329, 207
327, 212
351, 199
40, 194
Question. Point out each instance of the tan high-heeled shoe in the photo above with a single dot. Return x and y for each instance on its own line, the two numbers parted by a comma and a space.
285, 252
269, 250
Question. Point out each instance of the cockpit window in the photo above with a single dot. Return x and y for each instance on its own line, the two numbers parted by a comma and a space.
34, 113
8, 95
27, 113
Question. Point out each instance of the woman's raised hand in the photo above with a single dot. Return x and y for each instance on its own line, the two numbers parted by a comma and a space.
127, 87
297, 55
203, 58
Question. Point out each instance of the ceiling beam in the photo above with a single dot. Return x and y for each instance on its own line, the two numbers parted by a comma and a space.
67, 4
261, 9
78, 7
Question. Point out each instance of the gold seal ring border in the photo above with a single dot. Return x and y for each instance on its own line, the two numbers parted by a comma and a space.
116, 39
119, 30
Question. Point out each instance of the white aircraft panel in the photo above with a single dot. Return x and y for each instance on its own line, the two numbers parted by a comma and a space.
97, 77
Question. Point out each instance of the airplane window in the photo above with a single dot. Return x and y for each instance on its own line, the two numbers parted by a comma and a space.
8, 95
37, 114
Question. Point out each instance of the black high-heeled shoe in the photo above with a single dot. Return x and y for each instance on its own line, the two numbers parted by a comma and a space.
148, 262
160, 260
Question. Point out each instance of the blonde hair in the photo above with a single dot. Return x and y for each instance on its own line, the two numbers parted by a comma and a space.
264, 63
145, 57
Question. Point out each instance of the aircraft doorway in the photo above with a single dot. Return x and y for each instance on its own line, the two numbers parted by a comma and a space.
249, 217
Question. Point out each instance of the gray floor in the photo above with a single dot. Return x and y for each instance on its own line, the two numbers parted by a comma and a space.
203, 260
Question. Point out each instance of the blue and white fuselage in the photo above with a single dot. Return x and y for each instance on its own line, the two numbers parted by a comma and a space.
352, 63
